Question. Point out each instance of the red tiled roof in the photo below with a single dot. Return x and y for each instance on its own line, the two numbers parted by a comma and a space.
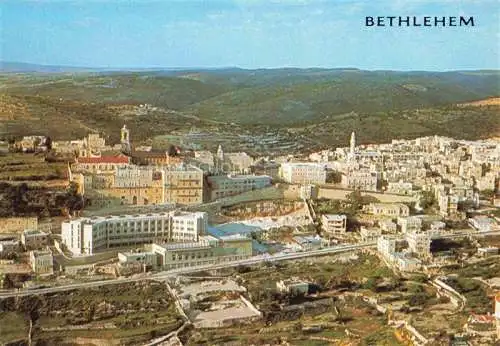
104, 159
482, 318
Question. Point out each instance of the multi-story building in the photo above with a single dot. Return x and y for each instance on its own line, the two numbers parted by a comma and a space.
400, 188
205, 160
100, 164
409, 223
229, 185
387, 226
187, 226
148, 259
271, 169
34, 239
388, 209
138, 186
487, 182
143, 185
303, 173
17, 224
42, 262
366, 181
448, 204
208, 250
387, 244
87, 235
370, 234
419, 243
183, 185
334, 223
8, 245
155, 158
240, 162
31, 143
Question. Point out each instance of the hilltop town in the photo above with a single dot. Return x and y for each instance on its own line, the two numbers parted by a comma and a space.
395, 241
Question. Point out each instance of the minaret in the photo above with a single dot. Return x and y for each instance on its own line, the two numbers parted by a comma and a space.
353, 144
220, 153
125, 139
220, 159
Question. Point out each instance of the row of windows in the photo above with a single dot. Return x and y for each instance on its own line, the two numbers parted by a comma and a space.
187, 256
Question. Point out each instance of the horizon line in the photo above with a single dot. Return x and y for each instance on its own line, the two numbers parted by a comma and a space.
163, 68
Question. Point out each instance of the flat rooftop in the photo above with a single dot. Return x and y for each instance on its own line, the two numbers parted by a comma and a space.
334, 217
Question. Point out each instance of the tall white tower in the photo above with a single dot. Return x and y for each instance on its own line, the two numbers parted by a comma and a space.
125, 138
220, 153
353, 143
220, 159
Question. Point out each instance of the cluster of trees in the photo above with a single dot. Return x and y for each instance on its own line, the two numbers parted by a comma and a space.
21, 200
477, 299
428, 202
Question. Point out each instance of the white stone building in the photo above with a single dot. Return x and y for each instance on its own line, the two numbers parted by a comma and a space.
87, 235
419, 243
388, 209
229, 185
303, 173
409, 223
42, 262
9, 245
334, 223
34, 239
363, 180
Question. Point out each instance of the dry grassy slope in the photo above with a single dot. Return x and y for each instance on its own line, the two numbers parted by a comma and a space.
493, 101
69, 119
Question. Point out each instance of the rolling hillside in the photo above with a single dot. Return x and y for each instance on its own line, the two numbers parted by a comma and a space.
296, 101
318, 103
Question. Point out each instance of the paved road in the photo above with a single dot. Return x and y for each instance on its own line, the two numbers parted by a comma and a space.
250, 261
174, 272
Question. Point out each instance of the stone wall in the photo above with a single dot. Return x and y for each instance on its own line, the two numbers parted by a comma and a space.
332, 193
17, 224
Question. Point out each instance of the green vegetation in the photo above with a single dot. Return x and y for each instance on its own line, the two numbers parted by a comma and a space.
485, 269
381, 338
137, 311
22, 200
322, 106
13, 327
428, 202
19, 167
474, 292
323, 272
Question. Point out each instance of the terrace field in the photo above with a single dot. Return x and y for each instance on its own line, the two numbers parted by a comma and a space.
124, 313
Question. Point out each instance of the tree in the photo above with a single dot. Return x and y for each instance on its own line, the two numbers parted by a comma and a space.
36, 143
465, 205
48, 143
172, 150
427, 200
334, 177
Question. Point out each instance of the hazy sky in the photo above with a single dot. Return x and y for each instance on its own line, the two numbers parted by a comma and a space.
246, 33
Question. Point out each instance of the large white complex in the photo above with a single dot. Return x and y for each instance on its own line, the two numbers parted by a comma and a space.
87, 235
229, 185
303, 173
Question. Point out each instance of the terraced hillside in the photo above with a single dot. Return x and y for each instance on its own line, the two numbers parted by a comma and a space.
315, 103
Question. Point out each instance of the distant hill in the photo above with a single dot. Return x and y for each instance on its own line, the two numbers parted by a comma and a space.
290, 98
341, 99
